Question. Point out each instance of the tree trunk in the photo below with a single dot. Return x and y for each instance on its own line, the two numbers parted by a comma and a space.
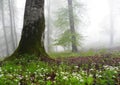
12, 25
72, 27
48, 26
111, 25
4, 30
32, 39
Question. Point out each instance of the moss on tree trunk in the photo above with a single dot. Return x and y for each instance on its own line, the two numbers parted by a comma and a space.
32, 39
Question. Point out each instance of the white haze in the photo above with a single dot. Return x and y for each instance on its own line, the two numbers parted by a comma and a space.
96, 21
96, 31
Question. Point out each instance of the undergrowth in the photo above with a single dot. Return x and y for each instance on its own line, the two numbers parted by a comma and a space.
28, 70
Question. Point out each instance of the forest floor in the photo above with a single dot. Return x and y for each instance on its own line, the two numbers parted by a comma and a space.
91, 59
89, 68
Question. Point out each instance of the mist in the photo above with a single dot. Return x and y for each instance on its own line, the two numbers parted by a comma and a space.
99, 24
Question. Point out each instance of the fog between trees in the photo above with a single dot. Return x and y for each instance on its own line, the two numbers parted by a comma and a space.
99, 24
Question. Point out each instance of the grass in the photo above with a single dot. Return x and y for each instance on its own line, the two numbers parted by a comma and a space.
28, 70
101, 52
77, 54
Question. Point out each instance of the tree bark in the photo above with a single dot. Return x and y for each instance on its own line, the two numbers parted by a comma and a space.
111, 25
32, 39
72, 27
48, 26
12, 25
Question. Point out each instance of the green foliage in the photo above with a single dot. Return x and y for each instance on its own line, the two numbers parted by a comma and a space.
30, 71
64, 54
66, 38
62, 22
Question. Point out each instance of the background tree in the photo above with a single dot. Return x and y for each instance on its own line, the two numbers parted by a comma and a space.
12, 24
66, 21
8, 30
72, 27
111, 24
48, 24
3, 25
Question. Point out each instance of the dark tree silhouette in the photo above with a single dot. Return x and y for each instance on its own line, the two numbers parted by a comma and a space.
32, 39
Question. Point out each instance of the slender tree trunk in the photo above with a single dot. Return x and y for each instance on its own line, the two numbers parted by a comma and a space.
48, 27
111, 34
32, 39
72, 27
3, 24
11, 4
111, 25
12, 25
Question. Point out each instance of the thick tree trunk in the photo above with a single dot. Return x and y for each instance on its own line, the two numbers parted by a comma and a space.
72, 27
32, 39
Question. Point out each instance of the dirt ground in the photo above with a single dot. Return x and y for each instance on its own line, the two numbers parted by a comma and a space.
91, 60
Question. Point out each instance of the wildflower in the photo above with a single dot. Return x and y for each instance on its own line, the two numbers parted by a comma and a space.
16, 80
65, 78
115, 71
35, 72
48, 78
91, 75
20, 77
97, 75
26, 76
91, 69
0, 69
105, 66
1, 75
116, 68
76, 67
81, 80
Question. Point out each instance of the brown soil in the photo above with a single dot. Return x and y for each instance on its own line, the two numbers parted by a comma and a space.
90, 60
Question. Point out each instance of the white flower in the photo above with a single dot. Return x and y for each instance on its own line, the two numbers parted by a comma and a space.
105, 66
0, 69
1, 75
48, 78
26, 76
76, 66
91, 69
91, 75
65, 78
16, 80
81, 80
115, 71
97, 75
35, 72
116, 68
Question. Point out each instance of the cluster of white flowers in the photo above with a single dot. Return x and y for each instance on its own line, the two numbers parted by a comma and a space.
76, 75
107, 67
60, 73
1, 75
0, 69
98, 75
